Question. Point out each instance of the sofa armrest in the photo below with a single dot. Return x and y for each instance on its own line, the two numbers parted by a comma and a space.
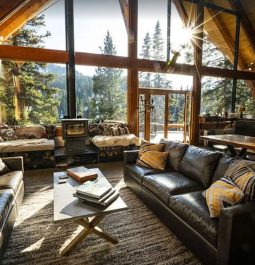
14, 163
130, 156
236, 244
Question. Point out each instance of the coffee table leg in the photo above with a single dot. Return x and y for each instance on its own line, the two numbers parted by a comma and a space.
90, 227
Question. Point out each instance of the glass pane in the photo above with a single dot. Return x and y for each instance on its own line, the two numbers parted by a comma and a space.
101, 93
46, 30
93, 21
216, 96
152, 29
32, 92
141, 116
219, 39
245, 99
176, 117
182, 44
165, 81
157, 118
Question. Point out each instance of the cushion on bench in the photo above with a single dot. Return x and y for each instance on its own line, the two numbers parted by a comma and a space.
27, 145
118, 140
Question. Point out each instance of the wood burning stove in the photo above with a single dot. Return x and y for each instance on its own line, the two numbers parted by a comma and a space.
75, 132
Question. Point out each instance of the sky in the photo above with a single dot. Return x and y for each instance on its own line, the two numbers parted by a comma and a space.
93, 18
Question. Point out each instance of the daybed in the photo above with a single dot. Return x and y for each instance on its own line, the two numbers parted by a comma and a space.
175, 196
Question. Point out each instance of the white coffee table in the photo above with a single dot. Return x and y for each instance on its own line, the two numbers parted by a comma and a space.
69, 208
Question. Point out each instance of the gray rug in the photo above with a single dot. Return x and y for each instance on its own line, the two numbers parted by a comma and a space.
143, 239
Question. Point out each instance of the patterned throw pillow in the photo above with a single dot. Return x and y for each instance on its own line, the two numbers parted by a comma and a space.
154, 159
8, 134
121, 131
221, 194
3, 168
114, 131
243, 177
147, 146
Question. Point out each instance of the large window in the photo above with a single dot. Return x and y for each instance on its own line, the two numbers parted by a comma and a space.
32, 92
93, 21
45, 30
101, 93
216, 95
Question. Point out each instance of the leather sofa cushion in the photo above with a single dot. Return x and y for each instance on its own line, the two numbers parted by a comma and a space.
167, 184
6, 200
199, 164
222, 167
176, 152
192, 208
139, 172
11, 180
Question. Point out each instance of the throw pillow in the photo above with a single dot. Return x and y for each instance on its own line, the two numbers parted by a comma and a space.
221, 194
122, 131
147, 146
3, 168
126, 130
8, 134
244, 178
154, 159
31, 132
114, 131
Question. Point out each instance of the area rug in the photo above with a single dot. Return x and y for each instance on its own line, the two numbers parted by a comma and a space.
143, 239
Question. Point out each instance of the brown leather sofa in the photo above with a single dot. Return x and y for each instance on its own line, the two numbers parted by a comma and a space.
175, 196
11, 196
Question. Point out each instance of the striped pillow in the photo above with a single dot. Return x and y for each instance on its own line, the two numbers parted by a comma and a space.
153, 159
221, 194
147, 146
244, 178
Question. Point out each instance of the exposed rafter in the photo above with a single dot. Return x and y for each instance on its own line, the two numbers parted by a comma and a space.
224, 32
124, 9
245, 22
9, 7
15, 20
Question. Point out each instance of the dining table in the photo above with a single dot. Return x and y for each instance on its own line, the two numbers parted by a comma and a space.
233, 141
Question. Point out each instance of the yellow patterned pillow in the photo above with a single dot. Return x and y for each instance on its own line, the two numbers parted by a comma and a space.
220, 194
147, 146
244, 178
154, 159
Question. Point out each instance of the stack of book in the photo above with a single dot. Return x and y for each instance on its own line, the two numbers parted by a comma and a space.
96, 194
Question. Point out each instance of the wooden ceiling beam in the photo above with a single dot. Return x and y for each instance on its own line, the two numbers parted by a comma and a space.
17, 19
32, 54
245, 22
223, 30
8, 7
124, 9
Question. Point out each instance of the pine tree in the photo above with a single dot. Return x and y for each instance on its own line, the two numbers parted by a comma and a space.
109, 100
158, 54
34, 99
158, 44
145, 78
